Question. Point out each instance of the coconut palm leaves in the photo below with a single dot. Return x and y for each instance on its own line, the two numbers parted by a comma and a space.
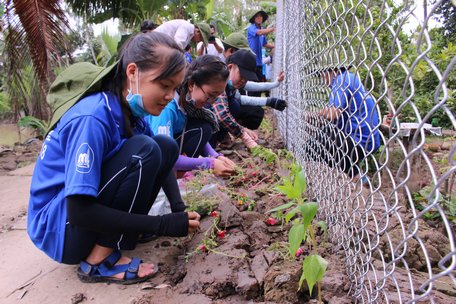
132, 13
34, 32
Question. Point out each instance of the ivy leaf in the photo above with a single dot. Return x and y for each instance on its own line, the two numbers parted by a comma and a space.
295, 237
308, 211
313, 270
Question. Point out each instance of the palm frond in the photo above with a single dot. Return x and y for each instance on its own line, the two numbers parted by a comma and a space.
131, 13
34, 31
40, 26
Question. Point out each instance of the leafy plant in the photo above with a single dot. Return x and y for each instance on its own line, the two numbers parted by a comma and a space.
266, 127
4, 103
314, 266
40, 126
264, 153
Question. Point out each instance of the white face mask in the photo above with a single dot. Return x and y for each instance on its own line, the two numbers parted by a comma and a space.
135, 101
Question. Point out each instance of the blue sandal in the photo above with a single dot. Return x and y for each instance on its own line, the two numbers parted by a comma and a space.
105, 271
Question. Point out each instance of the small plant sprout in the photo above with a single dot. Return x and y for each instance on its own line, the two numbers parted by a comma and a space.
264, 153
210, 241
303, 213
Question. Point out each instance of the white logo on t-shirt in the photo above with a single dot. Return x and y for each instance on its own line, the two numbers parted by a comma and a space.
164, 130
84, 158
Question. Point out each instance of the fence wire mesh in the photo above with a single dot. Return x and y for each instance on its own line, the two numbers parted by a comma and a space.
392, 210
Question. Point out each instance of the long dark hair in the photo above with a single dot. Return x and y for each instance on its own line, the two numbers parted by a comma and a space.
201, 71
147, 51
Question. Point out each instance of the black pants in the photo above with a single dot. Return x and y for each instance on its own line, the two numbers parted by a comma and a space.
130, 182
251, 117
336, 149
197, 134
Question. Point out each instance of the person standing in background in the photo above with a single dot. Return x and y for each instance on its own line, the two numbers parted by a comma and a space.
257, 40
188, 53
214, 46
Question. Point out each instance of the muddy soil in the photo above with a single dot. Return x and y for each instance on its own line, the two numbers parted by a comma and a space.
238, 256
19, 155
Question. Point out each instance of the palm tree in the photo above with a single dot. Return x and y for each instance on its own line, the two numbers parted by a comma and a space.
131, 13
34, 30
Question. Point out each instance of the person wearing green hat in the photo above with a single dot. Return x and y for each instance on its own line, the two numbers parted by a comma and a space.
100, 167
233, 42
257, 40
251, 113
183, 31
215, 46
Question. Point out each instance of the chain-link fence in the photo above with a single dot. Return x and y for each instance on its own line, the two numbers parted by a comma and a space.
370, 85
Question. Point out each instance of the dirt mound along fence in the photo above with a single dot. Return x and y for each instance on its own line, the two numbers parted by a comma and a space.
395, 220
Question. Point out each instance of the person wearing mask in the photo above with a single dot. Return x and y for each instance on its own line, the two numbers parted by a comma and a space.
187, 119
251, 112
100, 168
228, 107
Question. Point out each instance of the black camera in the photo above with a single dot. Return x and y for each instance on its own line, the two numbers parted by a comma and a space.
211, 39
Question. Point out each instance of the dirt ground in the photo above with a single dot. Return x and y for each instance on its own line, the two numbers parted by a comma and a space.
247, 263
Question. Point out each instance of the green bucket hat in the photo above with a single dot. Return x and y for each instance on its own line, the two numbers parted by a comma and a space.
237, 41
205, 30
72, 84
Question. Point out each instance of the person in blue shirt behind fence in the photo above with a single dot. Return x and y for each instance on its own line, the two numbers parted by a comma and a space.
256, 36
100, 168
353, 111
187, 120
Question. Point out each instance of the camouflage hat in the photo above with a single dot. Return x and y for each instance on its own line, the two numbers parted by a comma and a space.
205, 31
237, 41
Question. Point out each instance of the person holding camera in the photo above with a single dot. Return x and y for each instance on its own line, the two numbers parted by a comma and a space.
214, 47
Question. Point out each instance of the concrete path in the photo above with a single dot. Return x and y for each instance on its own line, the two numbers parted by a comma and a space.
28, 275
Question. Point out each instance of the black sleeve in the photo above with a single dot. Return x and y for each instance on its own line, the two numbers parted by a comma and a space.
172, 192
85, 211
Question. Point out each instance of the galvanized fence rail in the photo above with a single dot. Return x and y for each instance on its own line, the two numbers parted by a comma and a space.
391, 211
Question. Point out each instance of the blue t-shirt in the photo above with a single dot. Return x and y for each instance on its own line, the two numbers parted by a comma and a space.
171, 120
69, 163
359, 114
188, 57
256, 42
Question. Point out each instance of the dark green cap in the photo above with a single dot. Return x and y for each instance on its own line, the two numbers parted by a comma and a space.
72, 84
237, 41
205, 30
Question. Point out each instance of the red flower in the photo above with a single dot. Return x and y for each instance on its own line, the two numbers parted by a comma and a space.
271, 221
299, 252
214, 214
221, 233
203, 248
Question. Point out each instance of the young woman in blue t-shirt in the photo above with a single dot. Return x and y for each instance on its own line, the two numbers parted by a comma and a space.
187, 119
91, 189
